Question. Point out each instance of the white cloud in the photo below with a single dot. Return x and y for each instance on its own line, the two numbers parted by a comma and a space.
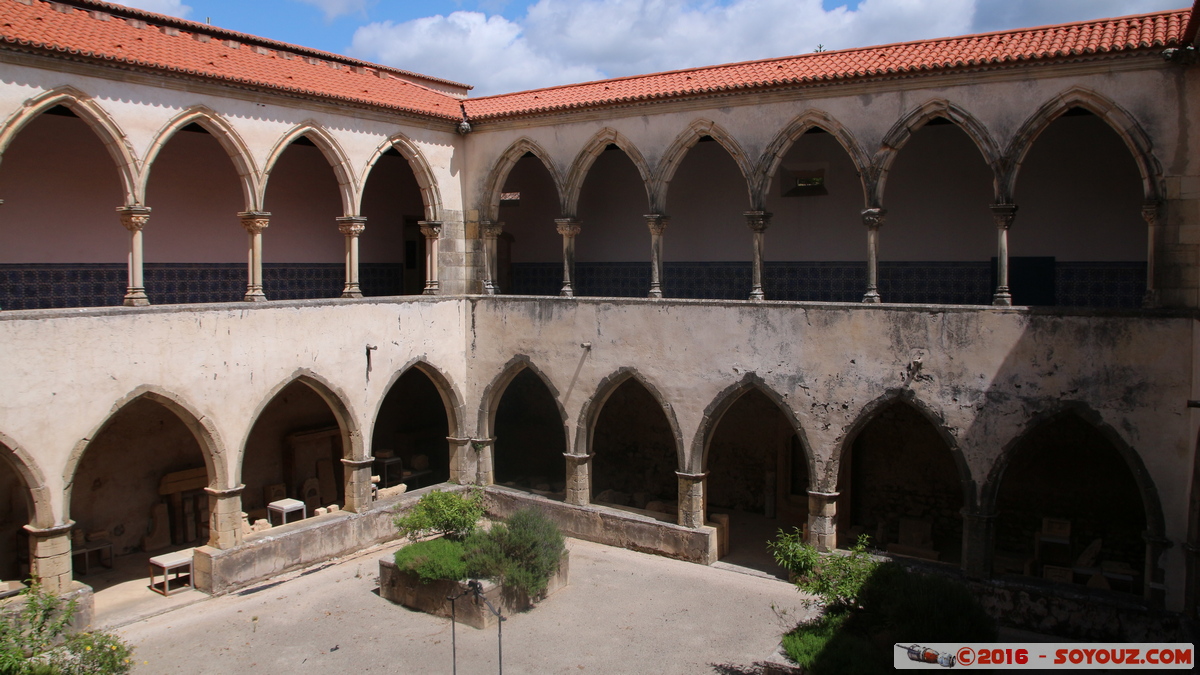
335, 8
563, 41
168, 7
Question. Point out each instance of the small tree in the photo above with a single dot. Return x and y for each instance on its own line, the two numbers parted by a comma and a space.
36, 641
446, 513
837, 578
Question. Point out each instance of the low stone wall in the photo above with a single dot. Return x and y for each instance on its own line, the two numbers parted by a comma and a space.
79, 593
407, 589
612, 527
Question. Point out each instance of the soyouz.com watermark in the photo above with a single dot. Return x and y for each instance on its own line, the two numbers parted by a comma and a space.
1071, 656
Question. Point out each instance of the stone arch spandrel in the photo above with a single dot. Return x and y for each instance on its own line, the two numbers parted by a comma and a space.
778, 148
1120, 120
1151, 503
724, 400
496, 178
907, 397
591, 409
98, 119
212, 447
348, 188
587, 157
451, 398
226, 135
903, 130
353, 447
673, 157
490, 400
431, 194
42, 514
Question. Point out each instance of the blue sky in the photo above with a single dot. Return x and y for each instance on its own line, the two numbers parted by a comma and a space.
510, 45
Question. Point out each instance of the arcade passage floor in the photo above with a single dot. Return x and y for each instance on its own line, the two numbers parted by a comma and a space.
623, 612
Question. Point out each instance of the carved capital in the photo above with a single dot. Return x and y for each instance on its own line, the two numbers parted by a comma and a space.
352, 225
134, 218
254, 221
1150, 214
491, 229
1003, 215
657, 223
757, 220
568, 227
431, 229
873, 218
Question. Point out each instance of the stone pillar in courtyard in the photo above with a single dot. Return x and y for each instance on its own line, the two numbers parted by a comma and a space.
255, 222
50, 556
1154, 588
822, 520
979, 540
691, 499
432, 231
358, 484
579, 479
491, 231
352, 227
462, 466
757, 221
134, 218
569, 228
485, 448
873, 219
658, 225
1150, 215
1002, 215
225, 517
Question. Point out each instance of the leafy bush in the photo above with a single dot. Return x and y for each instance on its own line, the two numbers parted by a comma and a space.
446, 513
837, 578
433, 560
36, 641
522, 554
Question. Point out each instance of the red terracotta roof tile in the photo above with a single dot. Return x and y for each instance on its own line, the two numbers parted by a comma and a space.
1123, 34
99, 31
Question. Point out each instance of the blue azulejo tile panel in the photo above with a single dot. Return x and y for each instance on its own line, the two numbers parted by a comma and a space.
612, 280
1100, 284
940, 283
303, 281
708, 280
376, 279
183, 283
43, 286
814, 281
535, 279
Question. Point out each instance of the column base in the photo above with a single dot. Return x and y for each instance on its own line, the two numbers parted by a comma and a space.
1002, 298
432, 288
352, 291
655, 292
489, 288
567, 291
136, 297
872, 297
255, 295
757, 294
1150, 300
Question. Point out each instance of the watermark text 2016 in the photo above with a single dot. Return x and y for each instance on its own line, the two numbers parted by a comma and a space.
1164, 656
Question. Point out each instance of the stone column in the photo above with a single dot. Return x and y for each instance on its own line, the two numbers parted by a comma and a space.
1150, 215
352, 227
657, 224
979, 540
486, 471
822, 520
225, 517
579, 479
691, 499
491, 231
758, 222
1191, 579
432, 229
569, 228
1153, 589
50, 556
134, 218
255, 222
462, 469
358, 484
873, 219
1002, 215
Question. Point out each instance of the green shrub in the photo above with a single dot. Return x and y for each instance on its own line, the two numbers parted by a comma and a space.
533, 546
823, 646
433, 560
447, 513
37, 641
837, 578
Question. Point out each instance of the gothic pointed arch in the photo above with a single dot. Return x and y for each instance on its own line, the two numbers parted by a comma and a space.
494, 391
332, 151
430, 193
810, 119
593, 406
724, 400
333, 396
587, 156
226, 135
674, 155
34, 479
494, 183
903, 130
451, 398
1119, 119
97, 118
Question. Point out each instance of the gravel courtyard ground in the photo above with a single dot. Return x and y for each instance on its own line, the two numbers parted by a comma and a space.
623, 612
